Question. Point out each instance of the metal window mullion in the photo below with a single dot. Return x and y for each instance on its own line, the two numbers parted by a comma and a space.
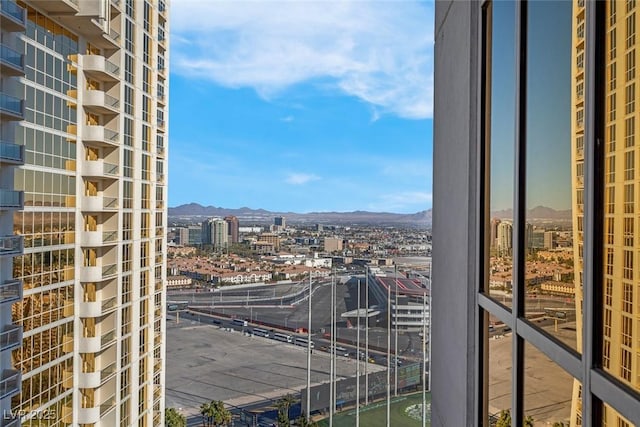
481, 340
519, 256
624, 399
593, 208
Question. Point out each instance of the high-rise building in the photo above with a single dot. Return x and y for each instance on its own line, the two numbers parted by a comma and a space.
215, 232
505, 237
233, 226
535, 106
83, 127
280, 223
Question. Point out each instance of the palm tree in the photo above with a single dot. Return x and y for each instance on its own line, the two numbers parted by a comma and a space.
302, 422
207, 412
220, 415
288, 400
173, 418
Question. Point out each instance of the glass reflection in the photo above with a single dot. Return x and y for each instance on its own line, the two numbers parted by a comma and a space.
499, 372
547, 390
499, 146
550, 285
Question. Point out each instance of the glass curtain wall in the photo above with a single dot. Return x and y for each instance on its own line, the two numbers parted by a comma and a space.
558, 286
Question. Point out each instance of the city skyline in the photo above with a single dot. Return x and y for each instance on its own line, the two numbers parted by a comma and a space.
339, 120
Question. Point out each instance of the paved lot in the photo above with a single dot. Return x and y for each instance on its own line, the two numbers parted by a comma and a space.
206, 363
547, 388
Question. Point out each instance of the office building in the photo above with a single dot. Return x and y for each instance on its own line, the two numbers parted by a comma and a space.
535, 106
233, 225
83, 122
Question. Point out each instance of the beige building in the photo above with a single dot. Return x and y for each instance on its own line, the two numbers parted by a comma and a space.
332, 244
83, 131
621, 352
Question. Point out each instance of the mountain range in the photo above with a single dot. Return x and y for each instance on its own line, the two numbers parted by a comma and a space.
195, 212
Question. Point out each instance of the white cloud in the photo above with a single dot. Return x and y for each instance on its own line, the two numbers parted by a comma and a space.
300, 178
287, 119
379, 52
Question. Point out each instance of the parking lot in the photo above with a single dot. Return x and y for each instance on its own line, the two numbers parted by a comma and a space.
205, 362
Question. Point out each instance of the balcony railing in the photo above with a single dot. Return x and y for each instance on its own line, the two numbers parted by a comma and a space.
109, 270
11, 152
10, 291
109, 236
110, 169
108, 372
11, 199
11, 57
10, 337
108, 338
11, 9
10, 382
11, 245
11, 104
110, 202
109, 303
162, 6
107, 405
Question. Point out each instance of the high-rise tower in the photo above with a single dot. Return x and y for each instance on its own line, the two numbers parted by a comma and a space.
83, 214
620, 281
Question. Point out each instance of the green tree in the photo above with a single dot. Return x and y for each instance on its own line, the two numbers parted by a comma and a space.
173, 418
505, 419
221, 416
206, 410
302, 422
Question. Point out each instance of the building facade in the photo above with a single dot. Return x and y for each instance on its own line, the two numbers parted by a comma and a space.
535, 113
84, 138
233, 225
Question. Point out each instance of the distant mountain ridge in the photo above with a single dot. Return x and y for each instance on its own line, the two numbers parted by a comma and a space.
539, 212
196, 211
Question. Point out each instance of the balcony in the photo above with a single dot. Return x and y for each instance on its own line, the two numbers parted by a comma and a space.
161, 98
10, 337
99, 102
97, 308
160, 150
57, 6
98, 273
107, 373
89, 415
10, 382
99, 68
11, 153
107, 405
161, 123
100, 168
11, 199
99, 203
98, 238
10, 291
160, 178
96, 344
11, 108
12, 16
11, 245
11, 62
97, 133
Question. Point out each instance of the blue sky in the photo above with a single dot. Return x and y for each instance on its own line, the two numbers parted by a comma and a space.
301, 106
